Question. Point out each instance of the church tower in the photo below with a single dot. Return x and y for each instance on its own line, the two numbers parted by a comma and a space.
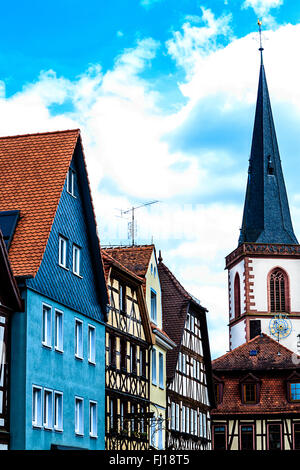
264, 270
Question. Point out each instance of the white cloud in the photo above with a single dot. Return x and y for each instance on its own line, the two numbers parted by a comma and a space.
129, 149
262, 7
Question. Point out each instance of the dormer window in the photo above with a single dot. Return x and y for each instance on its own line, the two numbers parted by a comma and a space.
293, 387
250, 389
153, 306
218, 388
71, 182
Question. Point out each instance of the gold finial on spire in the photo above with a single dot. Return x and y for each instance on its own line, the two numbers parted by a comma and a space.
259, 22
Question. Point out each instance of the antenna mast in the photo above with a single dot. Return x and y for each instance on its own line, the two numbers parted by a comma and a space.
132, 223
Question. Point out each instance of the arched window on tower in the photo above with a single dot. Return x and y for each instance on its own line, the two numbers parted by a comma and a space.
237, 296
278, 291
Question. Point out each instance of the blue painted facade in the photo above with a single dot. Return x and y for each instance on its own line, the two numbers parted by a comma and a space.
77, 297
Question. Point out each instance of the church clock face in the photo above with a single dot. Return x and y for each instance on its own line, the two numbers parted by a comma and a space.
280, 327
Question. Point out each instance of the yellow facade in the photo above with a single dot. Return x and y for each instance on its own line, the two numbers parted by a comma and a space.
158, 401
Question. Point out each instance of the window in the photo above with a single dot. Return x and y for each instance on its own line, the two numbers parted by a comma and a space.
79, 416
76, 260
246, 438
79, 339
219, 438
112, 351
92, 344
297, 436
142, 362
177, 416
153, 306
58, 411
123, 354
93, 419
71, 182
48, 409
278, 284
294, 388
274, 437
122, 297
59, 331
37, 406
183, 418
237, 296
249, 393
112, 416
173, 415
133, 359
62, 251
47, 326
218, 392
161, 370
154, 374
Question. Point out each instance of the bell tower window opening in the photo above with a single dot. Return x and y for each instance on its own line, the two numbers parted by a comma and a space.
237, 296
278, 291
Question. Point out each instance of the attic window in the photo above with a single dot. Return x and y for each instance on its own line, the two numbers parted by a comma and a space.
71, 182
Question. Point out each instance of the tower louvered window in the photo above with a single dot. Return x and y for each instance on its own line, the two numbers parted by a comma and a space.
278, 284
237, 296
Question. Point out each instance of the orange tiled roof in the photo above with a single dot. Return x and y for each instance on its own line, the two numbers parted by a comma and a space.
33, 169
109, 260
135, 258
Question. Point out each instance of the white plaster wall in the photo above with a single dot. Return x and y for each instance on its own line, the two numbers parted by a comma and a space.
238, 268
238, 334
261, 269
290, 341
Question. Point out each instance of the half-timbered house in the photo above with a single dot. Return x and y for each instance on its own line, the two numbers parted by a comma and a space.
189, 382
141, 259
257, 388
10, 301
128, 342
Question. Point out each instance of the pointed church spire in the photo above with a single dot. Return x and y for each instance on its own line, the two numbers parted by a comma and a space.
266, 217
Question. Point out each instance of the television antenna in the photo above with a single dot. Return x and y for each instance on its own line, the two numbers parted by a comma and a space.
132, 223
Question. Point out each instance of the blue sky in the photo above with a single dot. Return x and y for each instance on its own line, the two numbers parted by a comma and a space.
164, 94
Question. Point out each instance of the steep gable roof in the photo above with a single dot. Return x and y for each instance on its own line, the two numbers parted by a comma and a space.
109, 263
135, 258
33, 169
266, 357
175, 303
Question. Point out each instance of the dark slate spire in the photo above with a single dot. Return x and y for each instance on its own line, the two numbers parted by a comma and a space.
266, 217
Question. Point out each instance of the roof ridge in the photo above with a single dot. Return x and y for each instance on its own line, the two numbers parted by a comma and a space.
38, 133
175, 281
251, 341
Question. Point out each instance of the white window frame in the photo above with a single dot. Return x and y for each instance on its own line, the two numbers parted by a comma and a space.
37, 421
153, 312
154, 368
76, 256
76, 338
58, 426
59, 343
46, 329
79, 430
48, 410
91, 347
93, 432
62, 251
71, 180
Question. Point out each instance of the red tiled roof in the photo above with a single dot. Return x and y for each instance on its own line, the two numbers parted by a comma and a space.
135, 258
109, 261
267, 356
155, 327
33, 169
